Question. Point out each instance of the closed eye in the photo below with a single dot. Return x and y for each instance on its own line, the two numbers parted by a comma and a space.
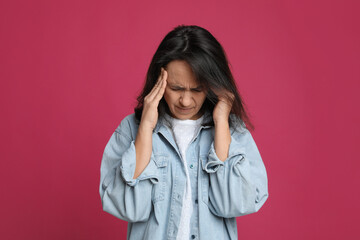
196, 89
176, 88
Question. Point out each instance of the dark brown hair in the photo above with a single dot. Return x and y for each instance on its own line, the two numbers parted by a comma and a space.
207, 58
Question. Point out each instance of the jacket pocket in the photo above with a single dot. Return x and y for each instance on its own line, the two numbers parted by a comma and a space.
205, 180
161, 162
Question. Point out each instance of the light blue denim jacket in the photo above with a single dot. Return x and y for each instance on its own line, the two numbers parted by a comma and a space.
151, 203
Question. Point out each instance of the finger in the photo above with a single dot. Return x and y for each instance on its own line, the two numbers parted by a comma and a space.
223, 93
224, 96
156, 87
158, 81
226, 102
219, 92
228, 99
161, 91
216, 91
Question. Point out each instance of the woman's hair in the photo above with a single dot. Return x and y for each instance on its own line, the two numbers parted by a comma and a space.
207, 59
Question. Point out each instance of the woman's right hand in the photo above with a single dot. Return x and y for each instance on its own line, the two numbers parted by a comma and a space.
150, 113
149, 118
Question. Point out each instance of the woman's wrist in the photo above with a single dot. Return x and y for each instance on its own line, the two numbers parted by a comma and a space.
222, 122
222, 139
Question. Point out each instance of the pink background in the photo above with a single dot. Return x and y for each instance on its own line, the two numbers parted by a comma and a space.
70, 71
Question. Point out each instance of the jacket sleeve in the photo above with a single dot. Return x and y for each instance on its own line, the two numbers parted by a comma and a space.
122, 196
238, 186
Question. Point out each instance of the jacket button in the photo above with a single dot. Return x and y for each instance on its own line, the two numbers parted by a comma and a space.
196, 201
191, 166
193, 236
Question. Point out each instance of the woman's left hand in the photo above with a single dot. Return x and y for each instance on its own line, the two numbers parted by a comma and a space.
224, 105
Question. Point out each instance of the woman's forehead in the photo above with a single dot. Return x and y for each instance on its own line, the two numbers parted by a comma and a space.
180, 73
183, 82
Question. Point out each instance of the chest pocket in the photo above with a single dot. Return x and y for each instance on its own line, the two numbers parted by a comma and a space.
162, 162
205, 180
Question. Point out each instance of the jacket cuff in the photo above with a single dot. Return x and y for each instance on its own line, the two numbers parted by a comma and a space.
128, 165
236, 155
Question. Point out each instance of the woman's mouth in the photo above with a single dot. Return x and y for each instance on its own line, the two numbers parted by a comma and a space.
184, 110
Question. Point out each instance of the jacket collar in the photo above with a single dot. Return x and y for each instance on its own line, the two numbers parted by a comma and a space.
163, 123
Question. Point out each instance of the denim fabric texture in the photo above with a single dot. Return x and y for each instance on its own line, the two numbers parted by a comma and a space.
151, 203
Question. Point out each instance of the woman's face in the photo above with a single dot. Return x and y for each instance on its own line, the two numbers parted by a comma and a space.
183, 94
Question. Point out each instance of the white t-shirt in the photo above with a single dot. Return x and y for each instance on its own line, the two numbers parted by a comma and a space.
184, 132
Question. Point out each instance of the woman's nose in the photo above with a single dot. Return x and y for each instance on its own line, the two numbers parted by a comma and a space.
185, 99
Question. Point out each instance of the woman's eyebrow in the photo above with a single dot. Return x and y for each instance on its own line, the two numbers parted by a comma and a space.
197, 87
179, 86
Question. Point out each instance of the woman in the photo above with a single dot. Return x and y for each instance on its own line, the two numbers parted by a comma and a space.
184, 165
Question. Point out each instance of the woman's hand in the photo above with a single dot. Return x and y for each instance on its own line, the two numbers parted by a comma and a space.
221, 114
149, 118
150, 113
223, 107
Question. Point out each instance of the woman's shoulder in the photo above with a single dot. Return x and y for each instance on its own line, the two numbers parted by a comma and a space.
237, 124
131, 118
129, 123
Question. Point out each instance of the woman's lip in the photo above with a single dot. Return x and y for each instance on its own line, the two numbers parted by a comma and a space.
184, 109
